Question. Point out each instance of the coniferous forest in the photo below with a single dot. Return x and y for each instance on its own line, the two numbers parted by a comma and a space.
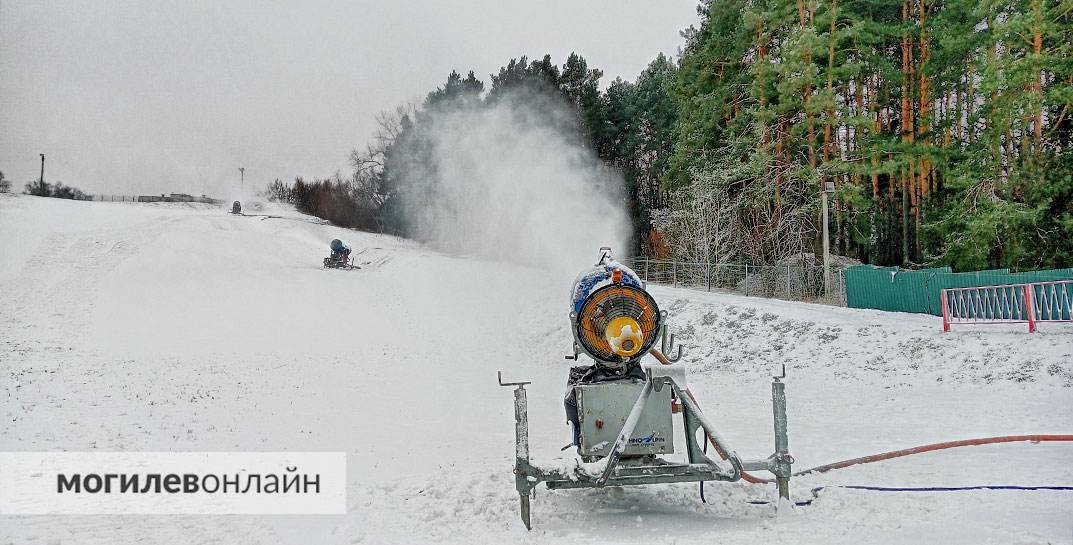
945, 127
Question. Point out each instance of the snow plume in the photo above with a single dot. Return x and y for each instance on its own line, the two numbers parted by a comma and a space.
510, 179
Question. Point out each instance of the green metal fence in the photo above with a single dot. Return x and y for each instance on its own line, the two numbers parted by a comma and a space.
899, 290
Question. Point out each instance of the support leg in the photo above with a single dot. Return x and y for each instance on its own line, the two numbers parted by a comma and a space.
783, 460
784, 487
524, 501
521, 452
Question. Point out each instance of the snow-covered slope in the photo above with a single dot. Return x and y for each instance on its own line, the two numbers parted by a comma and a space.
174, 327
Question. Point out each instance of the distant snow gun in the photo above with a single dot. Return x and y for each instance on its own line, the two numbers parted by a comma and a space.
622, 412
340, 256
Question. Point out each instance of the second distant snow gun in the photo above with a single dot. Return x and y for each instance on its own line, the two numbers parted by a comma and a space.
622, 411
340, 256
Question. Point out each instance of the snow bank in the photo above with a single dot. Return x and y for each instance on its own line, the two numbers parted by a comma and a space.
738, 336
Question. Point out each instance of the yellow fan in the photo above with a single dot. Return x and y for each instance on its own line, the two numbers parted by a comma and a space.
617, 324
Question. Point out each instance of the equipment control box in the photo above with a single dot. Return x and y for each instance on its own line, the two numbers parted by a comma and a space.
603, 408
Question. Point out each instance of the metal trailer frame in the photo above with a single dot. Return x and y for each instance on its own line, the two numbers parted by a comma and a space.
637, 470
346, 264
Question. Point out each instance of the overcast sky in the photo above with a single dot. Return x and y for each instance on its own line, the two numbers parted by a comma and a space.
151, 97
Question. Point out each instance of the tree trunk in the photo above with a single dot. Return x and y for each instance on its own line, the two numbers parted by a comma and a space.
1037, 85
908, 185
924, 127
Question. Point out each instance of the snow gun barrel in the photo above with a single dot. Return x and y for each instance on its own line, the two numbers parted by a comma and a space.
614, 319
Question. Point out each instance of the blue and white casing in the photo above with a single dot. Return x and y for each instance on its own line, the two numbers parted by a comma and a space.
598, 277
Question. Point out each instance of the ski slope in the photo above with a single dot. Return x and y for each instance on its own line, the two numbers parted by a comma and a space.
165, 327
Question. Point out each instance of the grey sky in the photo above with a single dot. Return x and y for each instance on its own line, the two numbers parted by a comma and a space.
151, 97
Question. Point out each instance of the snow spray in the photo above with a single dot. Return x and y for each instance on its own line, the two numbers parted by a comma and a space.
513, 180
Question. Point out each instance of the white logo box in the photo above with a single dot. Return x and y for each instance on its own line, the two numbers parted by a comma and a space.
274, 483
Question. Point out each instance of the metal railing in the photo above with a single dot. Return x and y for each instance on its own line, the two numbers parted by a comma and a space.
1029, 303
792, 282
174, 197
113, 198
1052, 301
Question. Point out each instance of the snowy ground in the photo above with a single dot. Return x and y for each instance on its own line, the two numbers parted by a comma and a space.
176, 327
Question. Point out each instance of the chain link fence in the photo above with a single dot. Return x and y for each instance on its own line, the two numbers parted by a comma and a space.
113, 198
792, 282
174, 197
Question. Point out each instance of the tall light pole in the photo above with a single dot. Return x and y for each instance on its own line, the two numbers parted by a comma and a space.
242, 181
828, 188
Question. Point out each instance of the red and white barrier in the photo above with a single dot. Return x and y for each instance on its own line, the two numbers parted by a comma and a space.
1029, 303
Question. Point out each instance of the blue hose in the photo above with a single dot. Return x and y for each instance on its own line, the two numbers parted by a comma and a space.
816, 491
944, 488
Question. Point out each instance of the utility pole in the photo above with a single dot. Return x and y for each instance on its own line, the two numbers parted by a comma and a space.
42, 179
828, 188
242, 181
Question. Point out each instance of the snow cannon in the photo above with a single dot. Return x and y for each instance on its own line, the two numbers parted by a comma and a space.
614, 319
340, 256
623, 411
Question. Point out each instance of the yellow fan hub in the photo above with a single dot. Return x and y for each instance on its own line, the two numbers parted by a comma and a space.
624, 335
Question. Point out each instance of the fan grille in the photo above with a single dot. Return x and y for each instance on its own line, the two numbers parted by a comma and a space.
608, 303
